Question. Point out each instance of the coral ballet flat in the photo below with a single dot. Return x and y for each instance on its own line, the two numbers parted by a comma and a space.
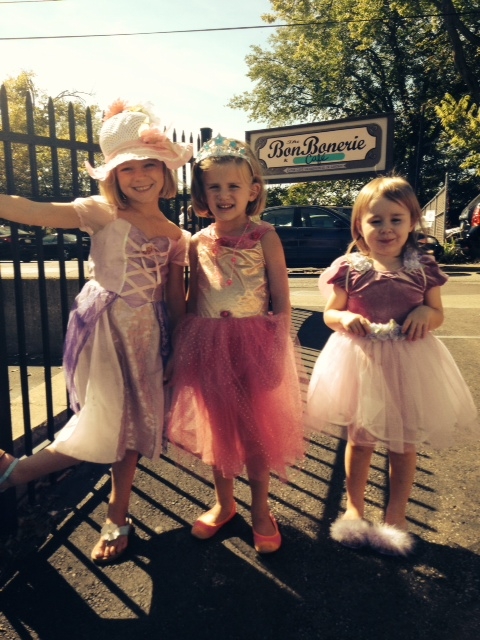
203, 530
268, 544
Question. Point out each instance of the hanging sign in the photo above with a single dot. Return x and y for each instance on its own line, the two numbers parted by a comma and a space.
329, 150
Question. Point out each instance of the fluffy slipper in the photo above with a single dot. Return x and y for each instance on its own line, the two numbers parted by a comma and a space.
7, 465
350, 533
390, 540
109, 533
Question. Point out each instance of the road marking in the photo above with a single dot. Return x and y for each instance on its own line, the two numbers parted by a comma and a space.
459, 337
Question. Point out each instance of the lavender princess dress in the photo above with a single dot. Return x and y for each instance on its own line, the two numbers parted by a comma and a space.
115, 339
382, 388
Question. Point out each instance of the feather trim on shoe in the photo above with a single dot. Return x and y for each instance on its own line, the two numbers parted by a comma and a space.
350, 533
390, 540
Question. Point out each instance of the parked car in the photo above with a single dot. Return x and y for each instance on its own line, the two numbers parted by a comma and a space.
26, 244
311, 236
314, 236
465, 217
51, 249
347, 211
469, 235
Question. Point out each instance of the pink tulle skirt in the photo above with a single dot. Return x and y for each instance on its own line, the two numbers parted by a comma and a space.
397, 393
235, 398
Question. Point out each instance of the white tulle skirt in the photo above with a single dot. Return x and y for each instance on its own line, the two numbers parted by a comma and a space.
396, 393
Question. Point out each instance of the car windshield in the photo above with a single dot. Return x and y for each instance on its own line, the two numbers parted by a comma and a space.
279, 218
323, 221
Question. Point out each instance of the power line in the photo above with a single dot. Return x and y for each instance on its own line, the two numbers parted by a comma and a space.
212, 29
25, 1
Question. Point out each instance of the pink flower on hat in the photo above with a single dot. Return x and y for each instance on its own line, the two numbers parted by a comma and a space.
153, 135
118, 106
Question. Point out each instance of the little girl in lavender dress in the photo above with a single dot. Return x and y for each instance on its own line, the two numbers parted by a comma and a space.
117, 340
383, 378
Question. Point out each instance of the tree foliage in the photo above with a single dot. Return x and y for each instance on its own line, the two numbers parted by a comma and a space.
17, 89
461, 122
359, 57
328, 193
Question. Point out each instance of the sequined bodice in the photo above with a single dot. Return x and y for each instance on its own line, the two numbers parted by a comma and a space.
381, 296
237, 288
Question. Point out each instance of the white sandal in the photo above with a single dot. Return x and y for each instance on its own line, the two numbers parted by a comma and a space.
4, 484
110, 532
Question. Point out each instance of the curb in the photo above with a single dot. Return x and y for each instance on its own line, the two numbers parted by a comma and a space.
470, 268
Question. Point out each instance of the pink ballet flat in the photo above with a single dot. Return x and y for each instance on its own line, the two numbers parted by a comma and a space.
12, 463
268, 544
204, 531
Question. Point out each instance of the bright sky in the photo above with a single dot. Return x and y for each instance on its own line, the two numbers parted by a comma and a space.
189, 78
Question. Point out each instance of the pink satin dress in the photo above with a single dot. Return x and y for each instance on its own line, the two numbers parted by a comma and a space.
236, 397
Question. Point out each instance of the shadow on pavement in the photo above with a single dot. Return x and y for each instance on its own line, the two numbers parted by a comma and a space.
174, 587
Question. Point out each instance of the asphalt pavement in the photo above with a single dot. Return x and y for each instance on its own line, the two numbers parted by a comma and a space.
173, 587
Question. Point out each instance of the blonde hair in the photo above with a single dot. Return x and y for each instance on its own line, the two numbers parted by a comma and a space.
110, 189
394, 188
249, 163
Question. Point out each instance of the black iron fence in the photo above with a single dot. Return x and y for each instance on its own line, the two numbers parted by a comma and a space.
37, 163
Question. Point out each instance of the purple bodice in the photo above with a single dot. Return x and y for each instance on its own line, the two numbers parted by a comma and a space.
381, 296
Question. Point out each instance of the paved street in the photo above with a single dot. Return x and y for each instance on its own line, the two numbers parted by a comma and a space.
174, 587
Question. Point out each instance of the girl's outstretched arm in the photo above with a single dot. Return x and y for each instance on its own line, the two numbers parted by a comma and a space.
40, 214
337, 317
277, 273
426, 317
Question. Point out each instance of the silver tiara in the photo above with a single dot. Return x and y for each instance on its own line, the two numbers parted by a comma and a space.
220, 146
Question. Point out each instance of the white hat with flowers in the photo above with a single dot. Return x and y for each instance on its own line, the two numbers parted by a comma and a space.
132, 133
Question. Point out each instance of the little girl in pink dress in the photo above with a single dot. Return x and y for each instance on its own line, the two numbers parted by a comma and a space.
236, 400
383, 378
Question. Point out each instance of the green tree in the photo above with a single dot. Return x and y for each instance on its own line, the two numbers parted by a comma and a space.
17, 89
328, 193
461, 122
276, 195
359, 57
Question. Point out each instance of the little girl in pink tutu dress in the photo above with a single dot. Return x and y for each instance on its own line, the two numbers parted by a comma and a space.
236, 400
383, 378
